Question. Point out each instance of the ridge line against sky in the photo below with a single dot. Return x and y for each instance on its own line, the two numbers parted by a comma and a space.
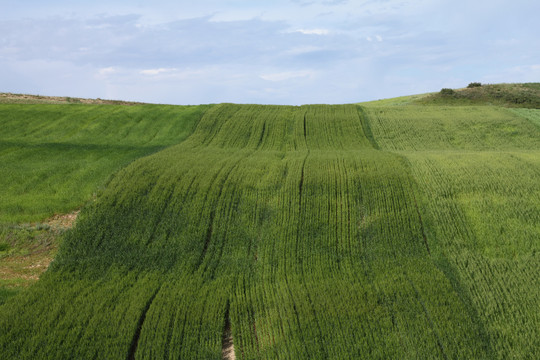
279, 52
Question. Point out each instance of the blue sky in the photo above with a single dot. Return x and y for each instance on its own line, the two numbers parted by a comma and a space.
268, 52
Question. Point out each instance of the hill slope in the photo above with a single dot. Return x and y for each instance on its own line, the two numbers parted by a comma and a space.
510, 95
309, 232
478, 169
56, 156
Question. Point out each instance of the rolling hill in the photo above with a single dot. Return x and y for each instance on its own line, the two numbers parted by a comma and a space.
394, 229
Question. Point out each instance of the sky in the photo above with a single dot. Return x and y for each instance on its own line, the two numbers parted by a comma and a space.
266, 52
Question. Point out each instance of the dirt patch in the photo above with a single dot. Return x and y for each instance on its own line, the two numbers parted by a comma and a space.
24, 270
32, 248
227, 350
227, 345
63, 221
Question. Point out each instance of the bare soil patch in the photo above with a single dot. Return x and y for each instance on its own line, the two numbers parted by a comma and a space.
32, 249
63, 221
227, 351
227, 345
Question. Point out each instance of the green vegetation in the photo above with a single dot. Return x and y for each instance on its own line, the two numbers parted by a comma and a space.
10, 98
402, 100
479, 170
313, 232
474, 84
54, 157
445, 92
509, 95
439, 128
532, 115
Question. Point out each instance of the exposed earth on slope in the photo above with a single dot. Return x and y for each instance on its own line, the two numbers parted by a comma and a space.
28, 249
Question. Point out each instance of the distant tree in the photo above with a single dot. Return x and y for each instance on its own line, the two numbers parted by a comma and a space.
447, 92
474, 84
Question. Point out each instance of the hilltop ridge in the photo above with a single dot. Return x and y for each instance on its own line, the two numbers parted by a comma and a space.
12, 98
526, 95
518, 95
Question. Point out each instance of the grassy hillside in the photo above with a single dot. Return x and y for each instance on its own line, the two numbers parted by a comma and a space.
509, 95
304, 232
479, 169
54, 157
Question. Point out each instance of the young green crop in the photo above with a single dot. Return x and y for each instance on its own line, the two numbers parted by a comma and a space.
289, 224
481, 204
54, 157
532, 115
437, 128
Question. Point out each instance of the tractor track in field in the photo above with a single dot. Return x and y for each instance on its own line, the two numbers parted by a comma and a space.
137, 335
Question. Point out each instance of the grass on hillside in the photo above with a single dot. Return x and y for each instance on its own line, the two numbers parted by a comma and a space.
314, 232
478, 169
436, 128
306, 232
11, 98
397, 101
532, 115
55, 157
510, 95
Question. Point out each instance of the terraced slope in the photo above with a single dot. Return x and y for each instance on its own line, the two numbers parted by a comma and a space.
291, 227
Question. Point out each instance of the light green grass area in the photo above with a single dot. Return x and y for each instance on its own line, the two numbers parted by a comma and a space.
397, 101
532, 115
484, 211
479, 171
54, 157
436, 128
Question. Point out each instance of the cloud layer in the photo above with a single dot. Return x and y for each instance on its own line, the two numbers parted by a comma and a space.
290, 52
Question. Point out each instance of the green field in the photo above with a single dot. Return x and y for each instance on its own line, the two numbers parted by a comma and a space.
479, 172
54, 157
311, 232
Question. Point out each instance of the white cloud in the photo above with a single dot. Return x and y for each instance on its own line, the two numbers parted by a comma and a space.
151, 72
299, 50
287, 75
104, 72
313, 31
